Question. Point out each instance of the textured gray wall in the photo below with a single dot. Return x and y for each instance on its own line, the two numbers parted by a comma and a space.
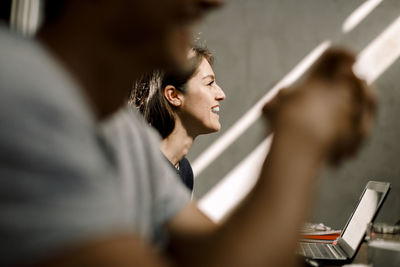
257, 42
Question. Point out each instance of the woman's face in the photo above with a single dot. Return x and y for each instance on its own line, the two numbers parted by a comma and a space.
200, 106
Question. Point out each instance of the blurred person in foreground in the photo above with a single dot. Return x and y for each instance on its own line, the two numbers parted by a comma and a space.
181, 106
67, 196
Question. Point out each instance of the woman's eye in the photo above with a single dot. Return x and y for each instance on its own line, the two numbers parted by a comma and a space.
210, 83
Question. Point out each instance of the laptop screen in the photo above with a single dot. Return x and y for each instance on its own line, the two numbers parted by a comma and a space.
363, 215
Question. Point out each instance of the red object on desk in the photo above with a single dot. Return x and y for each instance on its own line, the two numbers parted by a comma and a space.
321, 237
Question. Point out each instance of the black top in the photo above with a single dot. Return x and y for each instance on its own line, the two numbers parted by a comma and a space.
185, 172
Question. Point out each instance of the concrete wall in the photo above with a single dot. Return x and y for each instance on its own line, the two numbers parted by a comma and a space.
256, 43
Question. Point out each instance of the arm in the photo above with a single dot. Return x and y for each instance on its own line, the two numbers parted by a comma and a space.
263, 230
319, 123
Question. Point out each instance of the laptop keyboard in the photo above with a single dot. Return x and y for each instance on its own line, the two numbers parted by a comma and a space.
319, 251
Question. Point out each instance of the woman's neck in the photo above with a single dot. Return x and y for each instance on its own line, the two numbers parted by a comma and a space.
177, 144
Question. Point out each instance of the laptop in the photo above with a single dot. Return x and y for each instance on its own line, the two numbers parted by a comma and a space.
344, 249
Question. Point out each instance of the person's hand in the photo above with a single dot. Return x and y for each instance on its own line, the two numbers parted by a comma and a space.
331, 108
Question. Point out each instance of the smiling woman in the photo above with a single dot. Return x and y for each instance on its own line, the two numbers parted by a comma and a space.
181, 106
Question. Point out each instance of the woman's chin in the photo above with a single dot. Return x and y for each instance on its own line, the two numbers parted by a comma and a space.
208, 128
215, 128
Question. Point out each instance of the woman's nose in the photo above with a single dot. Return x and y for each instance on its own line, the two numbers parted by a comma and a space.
220, 94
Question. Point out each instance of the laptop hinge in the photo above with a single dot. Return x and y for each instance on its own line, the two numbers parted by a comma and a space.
340, 251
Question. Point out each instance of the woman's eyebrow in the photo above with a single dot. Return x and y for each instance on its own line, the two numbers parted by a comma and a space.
209, 76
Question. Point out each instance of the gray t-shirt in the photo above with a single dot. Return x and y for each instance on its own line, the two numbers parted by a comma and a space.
60, 184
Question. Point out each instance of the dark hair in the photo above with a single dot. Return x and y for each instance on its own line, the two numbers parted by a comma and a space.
53, 10
5, 11
148, 92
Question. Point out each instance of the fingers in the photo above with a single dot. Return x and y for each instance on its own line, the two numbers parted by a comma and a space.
334, 65
335, 68
272, 108
363, 101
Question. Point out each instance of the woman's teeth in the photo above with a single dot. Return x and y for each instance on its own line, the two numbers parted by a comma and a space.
215, 110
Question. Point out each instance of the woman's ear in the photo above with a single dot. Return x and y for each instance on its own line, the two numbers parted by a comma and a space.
173, 95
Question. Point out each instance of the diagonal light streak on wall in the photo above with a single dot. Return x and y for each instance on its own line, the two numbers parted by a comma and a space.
380, 54
232, 189
359, 15
216, 148
223, 142
371, 63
